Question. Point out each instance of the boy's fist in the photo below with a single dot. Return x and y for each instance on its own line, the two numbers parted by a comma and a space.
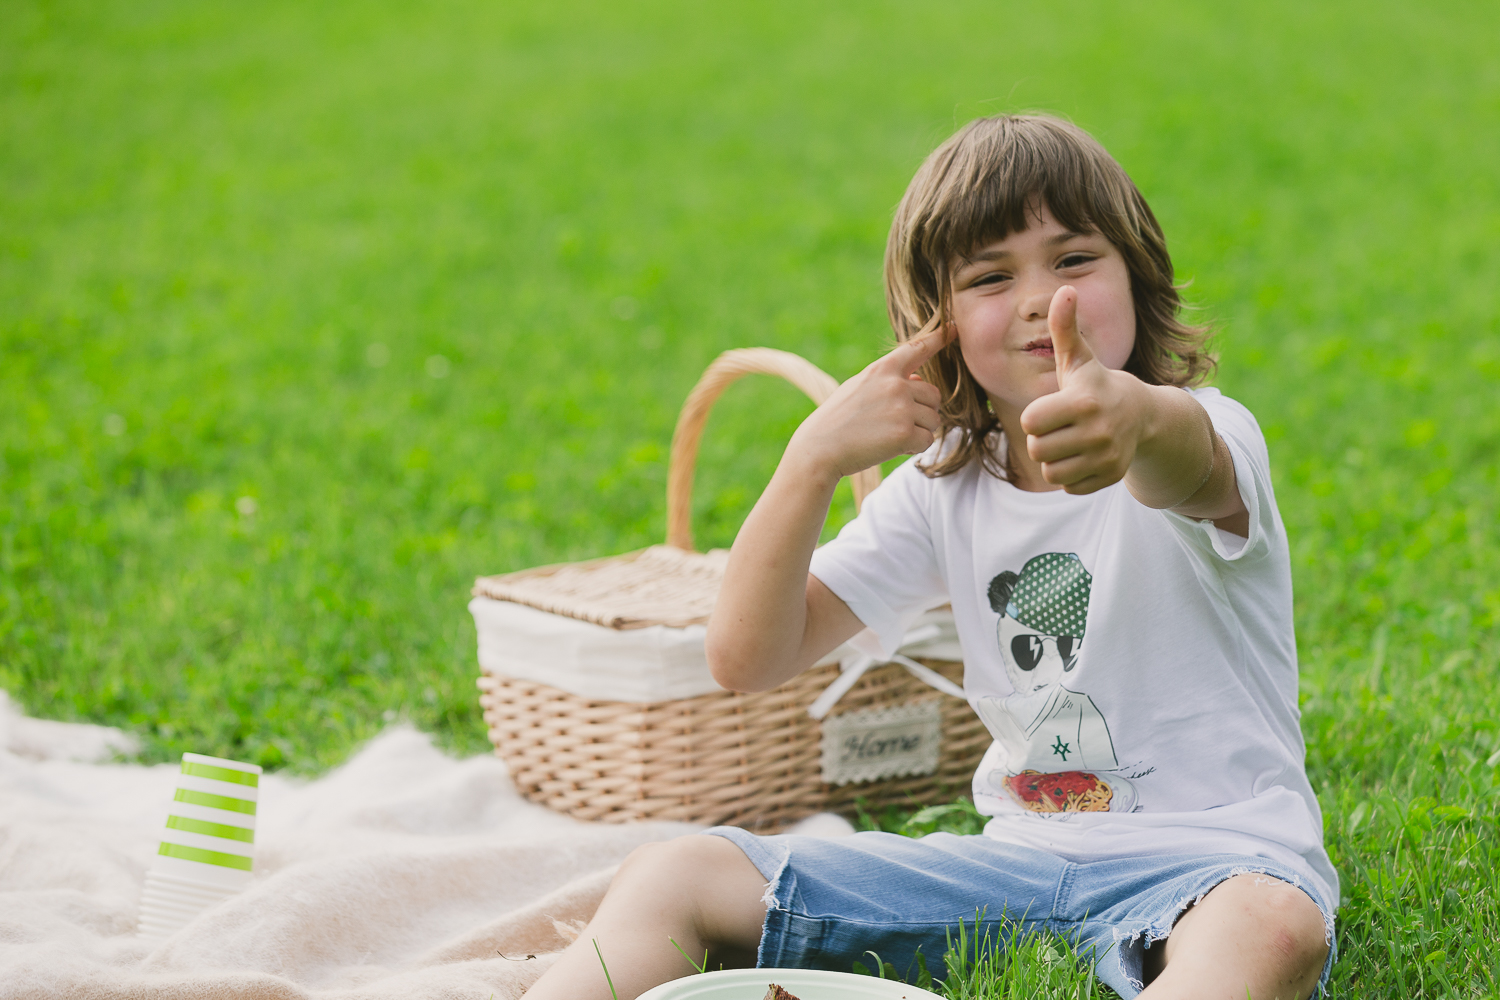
1085, 434
884, 411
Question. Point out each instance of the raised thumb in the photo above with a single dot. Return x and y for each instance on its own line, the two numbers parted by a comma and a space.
1069, 349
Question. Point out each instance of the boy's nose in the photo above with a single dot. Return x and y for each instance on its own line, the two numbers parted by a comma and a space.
1035, 303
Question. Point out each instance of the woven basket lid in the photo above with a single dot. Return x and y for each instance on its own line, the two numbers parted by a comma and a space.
665, 584
662, 585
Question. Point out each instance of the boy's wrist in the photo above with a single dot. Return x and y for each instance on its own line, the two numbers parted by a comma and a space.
805, 465
1152, 417
1174, 451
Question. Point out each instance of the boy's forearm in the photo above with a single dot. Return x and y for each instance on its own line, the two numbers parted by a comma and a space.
1181, 463
772, 620
756, 634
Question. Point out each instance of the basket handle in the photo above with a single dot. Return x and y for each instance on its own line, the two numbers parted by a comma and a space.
726, 368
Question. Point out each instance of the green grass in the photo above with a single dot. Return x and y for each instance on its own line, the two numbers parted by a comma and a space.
1024, 965
240, 511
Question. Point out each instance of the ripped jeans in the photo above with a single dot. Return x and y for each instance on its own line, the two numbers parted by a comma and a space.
831, 900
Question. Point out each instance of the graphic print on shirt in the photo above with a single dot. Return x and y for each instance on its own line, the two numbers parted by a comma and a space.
1055, 742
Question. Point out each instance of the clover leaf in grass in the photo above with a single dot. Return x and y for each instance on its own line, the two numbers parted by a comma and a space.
1419, 812
1450, 814
952, 817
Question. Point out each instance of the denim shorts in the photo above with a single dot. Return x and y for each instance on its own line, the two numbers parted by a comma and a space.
832, 900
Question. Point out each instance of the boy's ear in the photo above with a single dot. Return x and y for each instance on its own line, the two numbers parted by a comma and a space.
1001, 587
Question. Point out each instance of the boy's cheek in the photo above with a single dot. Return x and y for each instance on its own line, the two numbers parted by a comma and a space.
1111, 340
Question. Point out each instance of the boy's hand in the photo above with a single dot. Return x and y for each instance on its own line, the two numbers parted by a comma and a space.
1086, 433
884, 411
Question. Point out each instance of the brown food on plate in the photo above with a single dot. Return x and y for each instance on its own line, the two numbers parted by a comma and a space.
777, 993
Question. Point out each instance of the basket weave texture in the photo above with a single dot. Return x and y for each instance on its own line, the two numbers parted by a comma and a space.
662, 585
750, 760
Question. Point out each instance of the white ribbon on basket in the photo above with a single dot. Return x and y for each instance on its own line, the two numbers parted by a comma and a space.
852, 670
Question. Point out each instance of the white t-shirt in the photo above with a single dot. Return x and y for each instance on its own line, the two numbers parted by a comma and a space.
1137, 668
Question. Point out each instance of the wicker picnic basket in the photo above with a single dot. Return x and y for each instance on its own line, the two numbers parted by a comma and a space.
751, 760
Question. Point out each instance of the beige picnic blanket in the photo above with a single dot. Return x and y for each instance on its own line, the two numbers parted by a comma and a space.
403, 873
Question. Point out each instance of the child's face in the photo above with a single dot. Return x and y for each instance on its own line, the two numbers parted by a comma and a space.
1001, 297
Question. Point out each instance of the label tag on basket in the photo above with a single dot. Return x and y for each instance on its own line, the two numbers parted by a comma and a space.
882, 743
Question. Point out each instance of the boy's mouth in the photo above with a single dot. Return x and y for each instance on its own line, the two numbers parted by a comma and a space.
1040, 347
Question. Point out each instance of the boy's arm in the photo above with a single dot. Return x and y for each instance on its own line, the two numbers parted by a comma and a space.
1104, 425
1182, 450
772, 619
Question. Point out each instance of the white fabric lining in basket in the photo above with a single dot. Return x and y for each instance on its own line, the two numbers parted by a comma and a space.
642, 665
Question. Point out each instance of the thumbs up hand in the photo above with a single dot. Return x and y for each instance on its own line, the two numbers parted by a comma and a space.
884, 411
1086, 433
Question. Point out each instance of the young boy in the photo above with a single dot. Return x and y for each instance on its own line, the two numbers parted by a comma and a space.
1119, 575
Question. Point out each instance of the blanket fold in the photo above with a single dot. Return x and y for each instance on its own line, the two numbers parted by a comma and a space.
403, 873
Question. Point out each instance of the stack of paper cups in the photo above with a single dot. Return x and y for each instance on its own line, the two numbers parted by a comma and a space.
205, 855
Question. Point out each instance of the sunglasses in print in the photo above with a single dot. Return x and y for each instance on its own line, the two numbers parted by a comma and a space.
1028, 649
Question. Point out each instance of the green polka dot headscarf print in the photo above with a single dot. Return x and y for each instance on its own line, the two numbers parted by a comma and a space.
1052, 594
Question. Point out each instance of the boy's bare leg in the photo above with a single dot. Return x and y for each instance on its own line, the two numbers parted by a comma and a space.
701, 892
1251, 935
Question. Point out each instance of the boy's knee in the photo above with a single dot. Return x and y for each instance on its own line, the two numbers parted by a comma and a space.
707, 882
684, 859
1297, 932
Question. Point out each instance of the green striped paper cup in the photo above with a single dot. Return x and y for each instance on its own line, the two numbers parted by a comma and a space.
205, 854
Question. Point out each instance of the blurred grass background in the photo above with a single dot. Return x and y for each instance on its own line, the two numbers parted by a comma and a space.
309, 314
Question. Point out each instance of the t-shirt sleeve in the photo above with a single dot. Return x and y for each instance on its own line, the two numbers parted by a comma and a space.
1252, 472
883, 564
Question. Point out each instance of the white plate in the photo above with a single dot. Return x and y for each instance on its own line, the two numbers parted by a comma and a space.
1125, 795
808, 984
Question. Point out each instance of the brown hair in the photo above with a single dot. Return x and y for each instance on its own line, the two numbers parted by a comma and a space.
978, 187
